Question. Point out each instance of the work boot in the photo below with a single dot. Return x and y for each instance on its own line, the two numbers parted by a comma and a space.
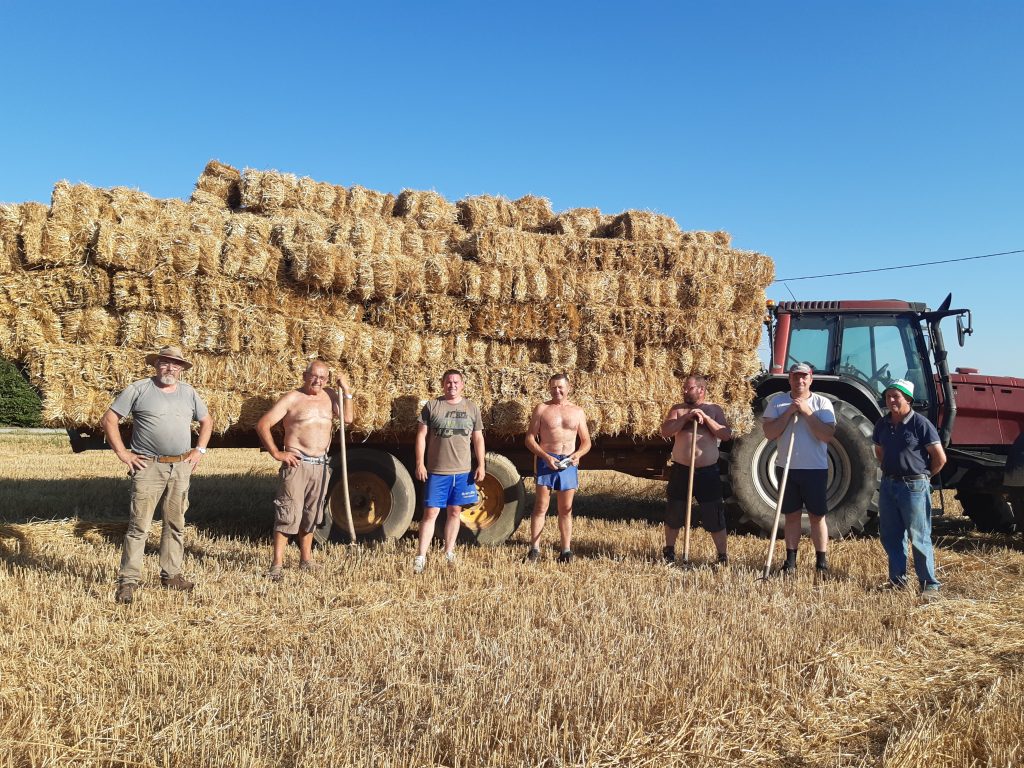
533, 555
669, 555
566, 557
178, 582
723, 560
125, 592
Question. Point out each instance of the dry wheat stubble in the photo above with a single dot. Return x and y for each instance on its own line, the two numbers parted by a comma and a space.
613, 661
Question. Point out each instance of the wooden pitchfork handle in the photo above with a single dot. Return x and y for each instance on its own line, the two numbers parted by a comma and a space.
344, 474
778, 504
689, 496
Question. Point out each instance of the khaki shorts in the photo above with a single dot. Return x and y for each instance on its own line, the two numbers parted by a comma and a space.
299, 503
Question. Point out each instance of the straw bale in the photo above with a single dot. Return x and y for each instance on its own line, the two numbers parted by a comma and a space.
599, 288
525, 322
148, 329
269, 192
317, 196
593, 254
442, 272
398, 314
433, 353
126, 247
472, 282
501, 247
219, 185
428, 210
486, 211
69, 233
89, 326
445, 315
10, 234
563, 354
368, 203
33, 219
534, 212
248, 251
577, 222
34, 327
645, 256
161, 291
706, 239
58, 289
644, 225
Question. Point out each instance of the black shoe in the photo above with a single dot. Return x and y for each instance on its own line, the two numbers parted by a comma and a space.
533, 555
125, 592
723, 561
566, 557
787, 569
669, 554
822, 570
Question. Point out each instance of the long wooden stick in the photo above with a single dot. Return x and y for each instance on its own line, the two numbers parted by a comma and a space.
778, 504
689, 496
344, 474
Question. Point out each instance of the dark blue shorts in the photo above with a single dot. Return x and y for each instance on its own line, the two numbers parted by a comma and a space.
567, 479
805, 489
444, 491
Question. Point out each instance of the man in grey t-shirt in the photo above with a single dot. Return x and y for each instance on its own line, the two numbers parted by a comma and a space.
160, 463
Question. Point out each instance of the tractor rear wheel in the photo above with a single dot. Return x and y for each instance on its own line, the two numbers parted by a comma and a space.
853, 476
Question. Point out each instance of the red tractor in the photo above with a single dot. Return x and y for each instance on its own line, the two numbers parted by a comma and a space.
856, 348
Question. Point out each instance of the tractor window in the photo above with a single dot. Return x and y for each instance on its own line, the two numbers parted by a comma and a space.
811, 341
877, 350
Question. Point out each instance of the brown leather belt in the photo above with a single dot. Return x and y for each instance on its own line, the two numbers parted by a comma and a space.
172, 459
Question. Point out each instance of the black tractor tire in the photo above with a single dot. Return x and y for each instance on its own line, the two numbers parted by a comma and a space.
502, 506
990, 513
381, 495
853, 477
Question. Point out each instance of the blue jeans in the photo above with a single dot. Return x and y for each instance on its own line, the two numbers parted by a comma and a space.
905, 507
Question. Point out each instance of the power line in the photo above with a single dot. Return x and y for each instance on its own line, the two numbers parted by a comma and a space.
901, 266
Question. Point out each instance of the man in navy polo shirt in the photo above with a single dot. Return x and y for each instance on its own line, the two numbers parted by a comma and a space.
910, 452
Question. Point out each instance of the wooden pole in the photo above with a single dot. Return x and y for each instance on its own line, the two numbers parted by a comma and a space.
778, 504
689, 496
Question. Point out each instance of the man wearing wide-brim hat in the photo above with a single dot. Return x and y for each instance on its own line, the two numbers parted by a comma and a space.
160, 462
910, 452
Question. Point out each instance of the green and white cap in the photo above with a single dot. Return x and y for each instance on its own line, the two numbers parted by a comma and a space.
904, 386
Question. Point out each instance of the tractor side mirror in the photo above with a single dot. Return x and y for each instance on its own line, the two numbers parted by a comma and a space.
964, 327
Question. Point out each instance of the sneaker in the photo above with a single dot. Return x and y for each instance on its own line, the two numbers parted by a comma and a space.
177, 582
533, 555
566, 557
890, 586
449, 557
275, 573
669, 555
125, 592
419, 564
930, 595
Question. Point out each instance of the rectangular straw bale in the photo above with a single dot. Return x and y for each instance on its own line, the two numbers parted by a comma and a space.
162, 291
219, 185
446, 315
269, 192
10, 232
400, 314
59, 289
599, 287
534, 212
145, 329
248, 250
576, 222
89, 326
486, 211
592, 254
34, 328
500, 247
645, 225
368, 203
441, 273
135, 206
30, 236
317, 196
125, 247
427, 209
69, 233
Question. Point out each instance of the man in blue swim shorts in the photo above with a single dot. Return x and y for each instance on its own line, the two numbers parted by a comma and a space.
555, 427
448, 438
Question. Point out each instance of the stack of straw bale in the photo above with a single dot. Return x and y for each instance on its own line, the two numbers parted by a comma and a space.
261, 271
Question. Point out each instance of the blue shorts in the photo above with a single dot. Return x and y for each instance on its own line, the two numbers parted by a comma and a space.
450, 491
567, 479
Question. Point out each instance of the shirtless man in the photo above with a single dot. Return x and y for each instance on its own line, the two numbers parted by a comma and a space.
707, 484
554, 429
307, 413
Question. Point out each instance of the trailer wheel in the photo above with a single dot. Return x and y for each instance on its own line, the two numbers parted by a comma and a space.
853, 476
990, 513
381, 495
502, 503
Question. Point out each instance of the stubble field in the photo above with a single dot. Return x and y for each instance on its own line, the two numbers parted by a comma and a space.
613, 660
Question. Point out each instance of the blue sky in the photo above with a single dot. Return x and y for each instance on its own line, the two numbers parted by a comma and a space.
830, 136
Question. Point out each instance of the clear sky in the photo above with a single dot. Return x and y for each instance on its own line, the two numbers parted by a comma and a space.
830, 136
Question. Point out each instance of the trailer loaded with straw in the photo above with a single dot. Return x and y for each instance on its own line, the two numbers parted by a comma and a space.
260, 272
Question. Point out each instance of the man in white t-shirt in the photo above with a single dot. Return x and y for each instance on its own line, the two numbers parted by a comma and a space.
807, 485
